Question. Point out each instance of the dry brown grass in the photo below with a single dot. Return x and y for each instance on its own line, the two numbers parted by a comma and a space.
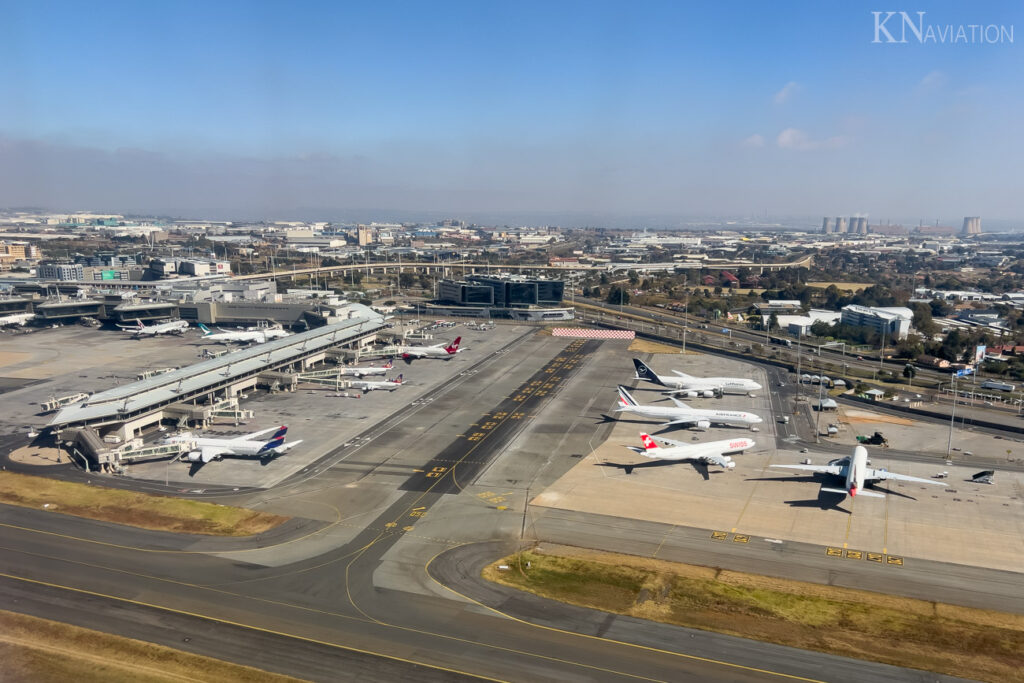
646, 346
961, 641
161, 513
33, 649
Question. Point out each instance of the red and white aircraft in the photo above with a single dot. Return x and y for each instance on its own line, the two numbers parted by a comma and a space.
856, 472
708, 453
435, 351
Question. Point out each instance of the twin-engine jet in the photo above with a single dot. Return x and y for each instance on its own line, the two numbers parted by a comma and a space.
250, 336
435, 351
682, 414
368, 385
856, 472
367, 370
694, 387
170, 327
248, 445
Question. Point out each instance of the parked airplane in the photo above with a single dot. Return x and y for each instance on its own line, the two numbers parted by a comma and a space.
709, 453
170, 327
856, 472
368, 370
682, 414
368, 385
252, 336
692, 387
241, 446
16, 319
435, 351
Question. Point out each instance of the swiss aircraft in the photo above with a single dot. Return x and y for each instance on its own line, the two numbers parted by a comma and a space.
170, 327
683, 414
366, 371
856, 472
709, 453
368, 385
241, 446
435, 351
694, 387
256, 336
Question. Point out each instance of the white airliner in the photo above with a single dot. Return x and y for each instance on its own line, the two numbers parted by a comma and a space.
435, 351
16, 319
251, 336
369, 385
856, 472
682, 414
709, 453
241, 446
366, 371
169, 327
692, 387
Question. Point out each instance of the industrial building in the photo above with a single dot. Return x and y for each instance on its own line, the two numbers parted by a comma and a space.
893, 322
972, 225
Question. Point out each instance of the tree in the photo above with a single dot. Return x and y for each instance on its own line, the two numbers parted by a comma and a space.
618, 295
909, 371
406, 280
773, 322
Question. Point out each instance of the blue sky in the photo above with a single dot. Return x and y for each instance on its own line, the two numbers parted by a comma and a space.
619, 108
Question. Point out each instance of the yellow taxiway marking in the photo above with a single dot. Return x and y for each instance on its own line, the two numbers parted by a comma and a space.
647, 648
261, 629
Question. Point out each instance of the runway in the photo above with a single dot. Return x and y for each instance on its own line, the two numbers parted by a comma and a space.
351, 597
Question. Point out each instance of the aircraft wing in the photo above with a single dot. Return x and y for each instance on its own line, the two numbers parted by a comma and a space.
837, 470
208, 453
287, 446
683, 421
259, 433
716, 460
885, 474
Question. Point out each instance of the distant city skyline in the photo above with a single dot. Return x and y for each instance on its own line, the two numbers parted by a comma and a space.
602, 111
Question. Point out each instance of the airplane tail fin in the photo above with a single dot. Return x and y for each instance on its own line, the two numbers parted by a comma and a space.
388, 365
644, 372
275, 442
625, 400
279, 434
205, 329
454, 348
649, 443
139, 325
399, 380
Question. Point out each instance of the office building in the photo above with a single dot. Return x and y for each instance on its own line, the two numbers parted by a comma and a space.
894, 321
61, 271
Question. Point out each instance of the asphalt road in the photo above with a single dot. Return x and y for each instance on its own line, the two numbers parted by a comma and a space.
362, 605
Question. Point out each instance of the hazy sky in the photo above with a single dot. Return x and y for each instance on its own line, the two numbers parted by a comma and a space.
729, 108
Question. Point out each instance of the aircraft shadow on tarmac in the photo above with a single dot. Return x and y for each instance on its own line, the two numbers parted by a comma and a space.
199, 464
628, 468
826, 500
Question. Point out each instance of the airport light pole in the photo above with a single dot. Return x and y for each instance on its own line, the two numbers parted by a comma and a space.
952, 416
817, 419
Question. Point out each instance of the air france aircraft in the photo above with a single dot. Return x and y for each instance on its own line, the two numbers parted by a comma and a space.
365, 371
693, 387
856, 472
435, 351
240, 446
257, 336
682, 414
709, 453
169, 327
386, 385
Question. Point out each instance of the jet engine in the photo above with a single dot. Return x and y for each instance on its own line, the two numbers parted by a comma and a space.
708, 393
730, 465
195, 456
703, 424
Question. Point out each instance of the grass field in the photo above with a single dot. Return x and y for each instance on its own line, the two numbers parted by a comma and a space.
161, 513
39, 650
976, 644
647, 346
